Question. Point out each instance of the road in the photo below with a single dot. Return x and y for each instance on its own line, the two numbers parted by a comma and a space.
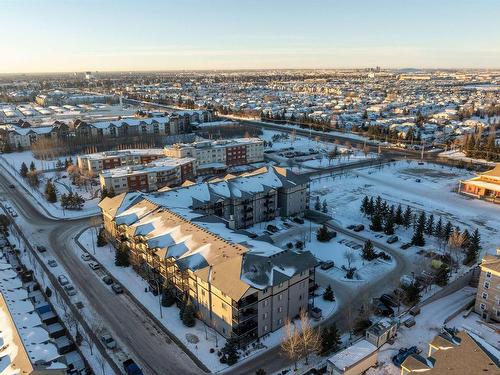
146, 343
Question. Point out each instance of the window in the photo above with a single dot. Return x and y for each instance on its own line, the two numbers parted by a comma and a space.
484, 295
482, 306
280, 297
280, 321
264, 316
280, 309
488, 275
223, 305
486, 285
266, 302
264, 291
265, 328
498, 313
280, 285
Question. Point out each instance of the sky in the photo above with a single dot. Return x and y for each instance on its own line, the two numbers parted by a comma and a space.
126, 35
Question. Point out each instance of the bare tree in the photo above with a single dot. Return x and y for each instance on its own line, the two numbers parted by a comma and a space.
455, 243
102, 362
310, 337
87, 339
350, 257
291, 343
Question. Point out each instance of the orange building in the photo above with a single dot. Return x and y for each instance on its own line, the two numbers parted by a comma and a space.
485, 186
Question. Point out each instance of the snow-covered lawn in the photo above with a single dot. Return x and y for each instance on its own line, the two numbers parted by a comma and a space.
136, 285
397, 184
11, 164
316, 151
428, 324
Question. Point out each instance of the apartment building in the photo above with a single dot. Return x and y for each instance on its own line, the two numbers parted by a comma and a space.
245, 200
157, 174
243, 288
92, 164
23, 134
487, 303
219, 154
485, 186
58, 97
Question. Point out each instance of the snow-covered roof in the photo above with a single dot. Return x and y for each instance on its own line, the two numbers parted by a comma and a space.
348, 357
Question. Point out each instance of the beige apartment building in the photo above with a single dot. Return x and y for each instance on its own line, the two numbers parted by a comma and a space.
488, 291
244, 289
184, 237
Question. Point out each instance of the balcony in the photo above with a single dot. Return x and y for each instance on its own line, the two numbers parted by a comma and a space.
245, 327
244, 315
247, 301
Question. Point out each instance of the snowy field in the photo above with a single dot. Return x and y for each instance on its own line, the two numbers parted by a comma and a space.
397, 184
207, 336
317, 151
429, 323
11, 164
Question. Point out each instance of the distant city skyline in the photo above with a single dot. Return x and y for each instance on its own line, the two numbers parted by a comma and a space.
126, 35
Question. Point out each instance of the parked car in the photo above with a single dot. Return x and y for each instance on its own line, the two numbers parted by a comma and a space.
392, 239
272, 228
415, 310
404, 353
388, 300
351, 226
70, 289
117, 288
108, 341
94, 265
327, 265
405, 246
108, 280
383, 309
52, 263
410, 322
418, 180
358, 228
12, 186
86, 256
63, 280
298, 220
41, 249
131, 367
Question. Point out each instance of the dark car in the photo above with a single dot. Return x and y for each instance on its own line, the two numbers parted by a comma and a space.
388, 300
108, 280
272, 228
405, 246
383, 309
404, 353
12, 186
327, 265
41, 249
392, 239
358, 228
298, 220
117, 288
351, 226
131, 367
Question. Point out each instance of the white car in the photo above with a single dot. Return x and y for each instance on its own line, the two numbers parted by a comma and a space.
70, 289
86, 256
94, 265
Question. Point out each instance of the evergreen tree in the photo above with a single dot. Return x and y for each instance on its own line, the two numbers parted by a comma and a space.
429, 226
448, 228
168, 297
364, 205
438, 229
368, 252
32, 166
261, 371
188, 315
328, 294
378, 205
473, 249
24, 170
101, 238
376, 224
371, 206
50, 192
411, 294
398, 216
418, 235
466, 236
330, 340
323, 234
442, 275
389, 225
230, 352
317, 205
325, 207
407, 216
122, 256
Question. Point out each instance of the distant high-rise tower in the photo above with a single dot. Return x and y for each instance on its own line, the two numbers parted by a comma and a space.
89, 76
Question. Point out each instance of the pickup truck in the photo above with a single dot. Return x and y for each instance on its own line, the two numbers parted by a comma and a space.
131, 367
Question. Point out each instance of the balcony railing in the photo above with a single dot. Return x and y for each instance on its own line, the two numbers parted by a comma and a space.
244, 328
247, 301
